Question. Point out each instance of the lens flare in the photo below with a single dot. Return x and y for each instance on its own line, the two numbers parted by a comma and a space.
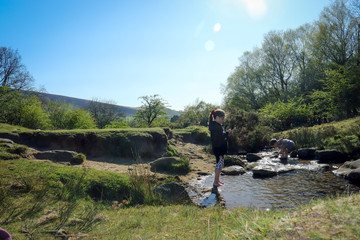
217, 27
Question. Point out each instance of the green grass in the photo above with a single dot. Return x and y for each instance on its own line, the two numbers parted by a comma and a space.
38, 197
343, 136
197, 134
11, 128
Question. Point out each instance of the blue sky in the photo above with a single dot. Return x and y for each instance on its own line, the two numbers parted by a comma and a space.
183, 50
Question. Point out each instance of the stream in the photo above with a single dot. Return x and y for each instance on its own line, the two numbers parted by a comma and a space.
305, 181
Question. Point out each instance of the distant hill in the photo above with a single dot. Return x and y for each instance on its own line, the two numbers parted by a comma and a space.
82, 103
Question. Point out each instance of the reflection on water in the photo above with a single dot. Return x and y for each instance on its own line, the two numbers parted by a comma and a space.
283, 191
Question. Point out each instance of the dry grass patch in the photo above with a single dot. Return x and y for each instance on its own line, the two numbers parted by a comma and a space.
326, 219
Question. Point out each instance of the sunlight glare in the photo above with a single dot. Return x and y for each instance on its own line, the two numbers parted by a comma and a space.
217, 27
256, 8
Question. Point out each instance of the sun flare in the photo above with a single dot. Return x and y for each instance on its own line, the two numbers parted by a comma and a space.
256, 8
217, 27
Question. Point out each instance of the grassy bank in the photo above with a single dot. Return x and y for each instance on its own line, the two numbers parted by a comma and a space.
39, 198
146, 143
343, 136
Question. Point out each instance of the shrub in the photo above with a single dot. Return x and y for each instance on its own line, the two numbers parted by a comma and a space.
282, 116
249, 131
79, 158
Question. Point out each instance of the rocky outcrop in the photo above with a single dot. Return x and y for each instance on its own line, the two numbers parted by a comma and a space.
6, 143
173, 193
350, 170
230, 160
252, 157
329, 156
267, 171
133, 143
233, 170
306, 153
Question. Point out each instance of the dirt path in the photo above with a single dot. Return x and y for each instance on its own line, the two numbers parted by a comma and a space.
201, 163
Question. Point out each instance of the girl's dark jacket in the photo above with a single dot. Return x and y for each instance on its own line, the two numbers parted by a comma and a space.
218, 138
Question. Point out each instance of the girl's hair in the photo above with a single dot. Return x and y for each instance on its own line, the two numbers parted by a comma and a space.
214, 114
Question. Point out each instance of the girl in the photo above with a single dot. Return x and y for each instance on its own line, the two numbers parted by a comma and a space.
218, 141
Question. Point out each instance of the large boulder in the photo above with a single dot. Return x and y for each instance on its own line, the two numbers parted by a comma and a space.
233, 170
329, 156
267, 171
306, 153
230, 160
350, 170
172, 192
252, 157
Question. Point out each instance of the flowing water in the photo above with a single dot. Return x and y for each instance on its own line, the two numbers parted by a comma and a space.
307, 180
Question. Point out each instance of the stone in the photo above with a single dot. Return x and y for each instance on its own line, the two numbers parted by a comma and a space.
266, 171
172, 192
233, 170
252, 165
252, 157
350, 170
306, 153
56, 155
329, 156
230, 160
294, 154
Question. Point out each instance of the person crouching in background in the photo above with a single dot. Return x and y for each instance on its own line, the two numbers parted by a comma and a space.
285, 146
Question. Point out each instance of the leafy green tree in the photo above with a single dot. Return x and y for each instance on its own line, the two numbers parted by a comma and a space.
23, 109
246, 88
249, 130
152, 107
9, 102
32, 115
283, 116
279, 62
79, 119
104, 112
336, 38
58, 113
341, 92
197, 114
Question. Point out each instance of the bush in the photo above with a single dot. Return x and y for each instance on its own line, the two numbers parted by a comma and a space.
283, 116
249, 131
79, 158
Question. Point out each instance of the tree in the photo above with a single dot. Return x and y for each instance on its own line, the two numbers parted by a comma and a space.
246, 88
152, 107
279, 63
197, 114
104, 112
23, 109
58, 113
336, 37
79, 119
12, 72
